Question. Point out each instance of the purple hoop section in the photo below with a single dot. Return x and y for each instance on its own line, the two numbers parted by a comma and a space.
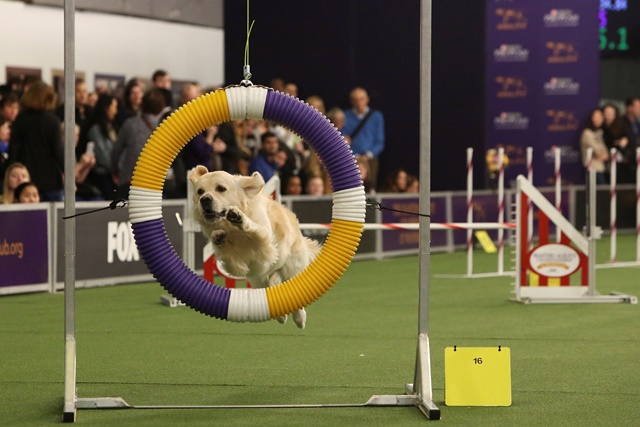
174, 275
318, 132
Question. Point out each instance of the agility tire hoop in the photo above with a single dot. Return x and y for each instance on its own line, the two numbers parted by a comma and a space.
246, 305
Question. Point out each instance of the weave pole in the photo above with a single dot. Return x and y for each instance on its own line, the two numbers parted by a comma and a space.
469, 210
558, 178
613, 183
501, 210
530, 210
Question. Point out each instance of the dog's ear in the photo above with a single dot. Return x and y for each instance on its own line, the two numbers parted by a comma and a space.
197, 172
252, 185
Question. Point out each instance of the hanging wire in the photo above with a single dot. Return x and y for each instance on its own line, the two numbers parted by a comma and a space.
246, 71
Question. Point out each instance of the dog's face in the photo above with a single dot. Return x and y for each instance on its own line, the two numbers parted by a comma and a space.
215, 192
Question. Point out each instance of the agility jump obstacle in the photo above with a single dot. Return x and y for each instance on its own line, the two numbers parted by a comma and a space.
255, 305
543, 273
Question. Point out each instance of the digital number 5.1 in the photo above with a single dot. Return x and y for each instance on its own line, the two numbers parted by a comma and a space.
622, 45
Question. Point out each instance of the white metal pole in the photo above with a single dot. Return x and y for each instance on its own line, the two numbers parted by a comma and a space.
501, 209
469, 210
69, 406
558, 179
529, 205
613, 182
422, 385
591, 222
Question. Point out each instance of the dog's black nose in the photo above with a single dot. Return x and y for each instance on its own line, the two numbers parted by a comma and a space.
205, 202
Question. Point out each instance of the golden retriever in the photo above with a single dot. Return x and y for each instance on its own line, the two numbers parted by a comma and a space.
253, 236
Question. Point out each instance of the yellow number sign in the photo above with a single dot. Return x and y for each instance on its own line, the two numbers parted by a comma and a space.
477, 376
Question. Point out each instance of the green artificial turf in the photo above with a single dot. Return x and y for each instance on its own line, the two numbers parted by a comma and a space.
571, 364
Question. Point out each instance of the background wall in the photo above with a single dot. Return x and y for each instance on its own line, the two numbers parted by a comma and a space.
32, 36
328, 47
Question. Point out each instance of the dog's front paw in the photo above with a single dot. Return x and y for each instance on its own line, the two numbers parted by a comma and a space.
234, 216
218, 237
282, 319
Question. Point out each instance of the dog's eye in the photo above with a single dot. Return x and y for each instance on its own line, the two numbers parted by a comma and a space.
200, 191
221, 189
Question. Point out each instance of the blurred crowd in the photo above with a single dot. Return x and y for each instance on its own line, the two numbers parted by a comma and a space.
606, 129
110, 132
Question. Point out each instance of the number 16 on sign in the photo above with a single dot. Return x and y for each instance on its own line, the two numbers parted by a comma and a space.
477, 376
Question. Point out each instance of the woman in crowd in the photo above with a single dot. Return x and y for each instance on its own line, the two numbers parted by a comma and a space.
103, 134
36, 142
16, 174
396, 182
592, 137
132, 101
27, 192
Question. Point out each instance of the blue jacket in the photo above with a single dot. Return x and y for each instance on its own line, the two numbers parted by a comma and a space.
371, 136
266, 168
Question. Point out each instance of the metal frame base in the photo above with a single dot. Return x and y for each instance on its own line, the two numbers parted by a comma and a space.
171, 301
375, 400
614, 297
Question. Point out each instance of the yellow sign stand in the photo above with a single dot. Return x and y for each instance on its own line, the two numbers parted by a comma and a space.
486, 242
477, 376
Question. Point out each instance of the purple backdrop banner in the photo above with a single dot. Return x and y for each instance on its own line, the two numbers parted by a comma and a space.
396, 240
542, 82
23, 248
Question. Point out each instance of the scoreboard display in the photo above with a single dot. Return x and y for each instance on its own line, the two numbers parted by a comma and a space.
619, 28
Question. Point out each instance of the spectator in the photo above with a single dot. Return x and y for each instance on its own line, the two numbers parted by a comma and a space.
265, 162
314, 167
130, 107
292, 186
413, 184
364, 130
315, 186
161, 79
85, 191
277, 83
16, 174
317, 102
5, 135
291, 89
363, 167
10, 106
92, 99
132, 137
336, 116
626, 168
27, 192
206, 148
103, 134
242, 138
396, 182
592, 137
36, 143
84, 115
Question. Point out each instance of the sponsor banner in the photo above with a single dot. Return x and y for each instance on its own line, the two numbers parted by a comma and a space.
24, 254
485, 209
542, 82
438, 214
105, 246
554, 260
395, 240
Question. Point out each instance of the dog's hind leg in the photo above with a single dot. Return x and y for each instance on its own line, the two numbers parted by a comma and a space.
300, 318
